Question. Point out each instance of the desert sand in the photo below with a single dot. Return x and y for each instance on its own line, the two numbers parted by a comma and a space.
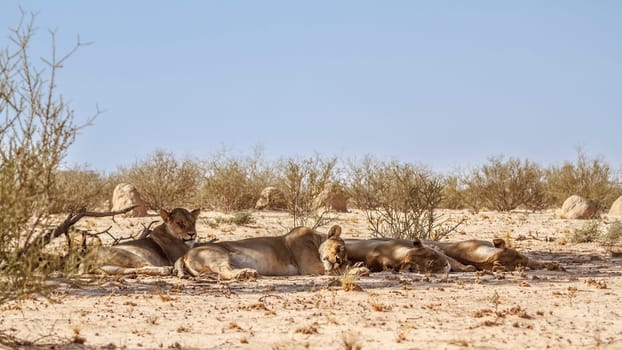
579, 308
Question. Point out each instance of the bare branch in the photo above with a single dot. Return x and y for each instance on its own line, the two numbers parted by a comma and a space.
72, 219
146, 230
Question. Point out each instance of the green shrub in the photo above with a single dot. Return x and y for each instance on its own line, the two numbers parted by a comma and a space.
589, 232
163, 181
240, 218
505, 185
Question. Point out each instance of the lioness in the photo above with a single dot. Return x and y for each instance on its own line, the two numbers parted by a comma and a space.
302, 251
487, 255
396, 254
155, 254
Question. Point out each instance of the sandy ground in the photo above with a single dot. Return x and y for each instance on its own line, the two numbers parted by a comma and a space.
576, 308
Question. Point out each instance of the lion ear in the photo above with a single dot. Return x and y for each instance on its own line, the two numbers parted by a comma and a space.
417, 243
499, 243
334, 232
196, 213
165, 215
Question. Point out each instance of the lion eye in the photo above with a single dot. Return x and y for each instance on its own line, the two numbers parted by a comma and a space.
180, 224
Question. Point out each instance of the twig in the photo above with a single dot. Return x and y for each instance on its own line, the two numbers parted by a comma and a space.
72, 219
146, 230
119, 239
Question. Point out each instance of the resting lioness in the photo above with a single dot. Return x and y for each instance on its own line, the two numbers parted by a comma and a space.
396, 254
302, 251
487, 255
155, 254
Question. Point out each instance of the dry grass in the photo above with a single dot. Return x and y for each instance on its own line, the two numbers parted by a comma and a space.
310, 329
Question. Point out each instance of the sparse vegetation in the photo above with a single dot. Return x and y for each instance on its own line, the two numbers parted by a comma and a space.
163, 181
235, 183
239, 218
590, 178
505, 185
78, 188
399, 200
349, 281
37, 129
453, 193
612, 239
589, 232
301, 181
560, 309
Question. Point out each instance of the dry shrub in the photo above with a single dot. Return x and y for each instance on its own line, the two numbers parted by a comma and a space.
399, 200
349, 280
240, 218
453, 193
589, 232
163, 181
590, 178
78, 188
302, 180
505, 185
37, 129
235, 183
612, 239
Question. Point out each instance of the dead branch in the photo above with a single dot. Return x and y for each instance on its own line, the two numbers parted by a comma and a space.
146, 230
118, 240
72, 219
115, 240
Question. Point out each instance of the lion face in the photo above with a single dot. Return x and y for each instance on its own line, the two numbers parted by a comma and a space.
509, 259
180, 223
333, 250
423, 259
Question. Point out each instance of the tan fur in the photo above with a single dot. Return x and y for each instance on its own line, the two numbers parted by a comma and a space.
487, 255
155, 254
397, 255
302, 251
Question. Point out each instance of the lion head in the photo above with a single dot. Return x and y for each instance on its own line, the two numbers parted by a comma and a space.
508, 259
423, 259
180, 223
333, 250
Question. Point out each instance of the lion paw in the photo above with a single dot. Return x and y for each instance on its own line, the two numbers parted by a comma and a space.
553, 266
498, 267
178, 268
470, 268
246, 275
358, 271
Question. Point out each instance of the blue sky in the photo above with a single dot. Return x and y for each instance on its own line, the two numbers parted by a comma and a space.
441, 83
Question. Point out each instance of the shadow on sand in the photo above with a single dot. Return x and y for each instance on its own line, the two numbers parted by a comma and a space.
574, 266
